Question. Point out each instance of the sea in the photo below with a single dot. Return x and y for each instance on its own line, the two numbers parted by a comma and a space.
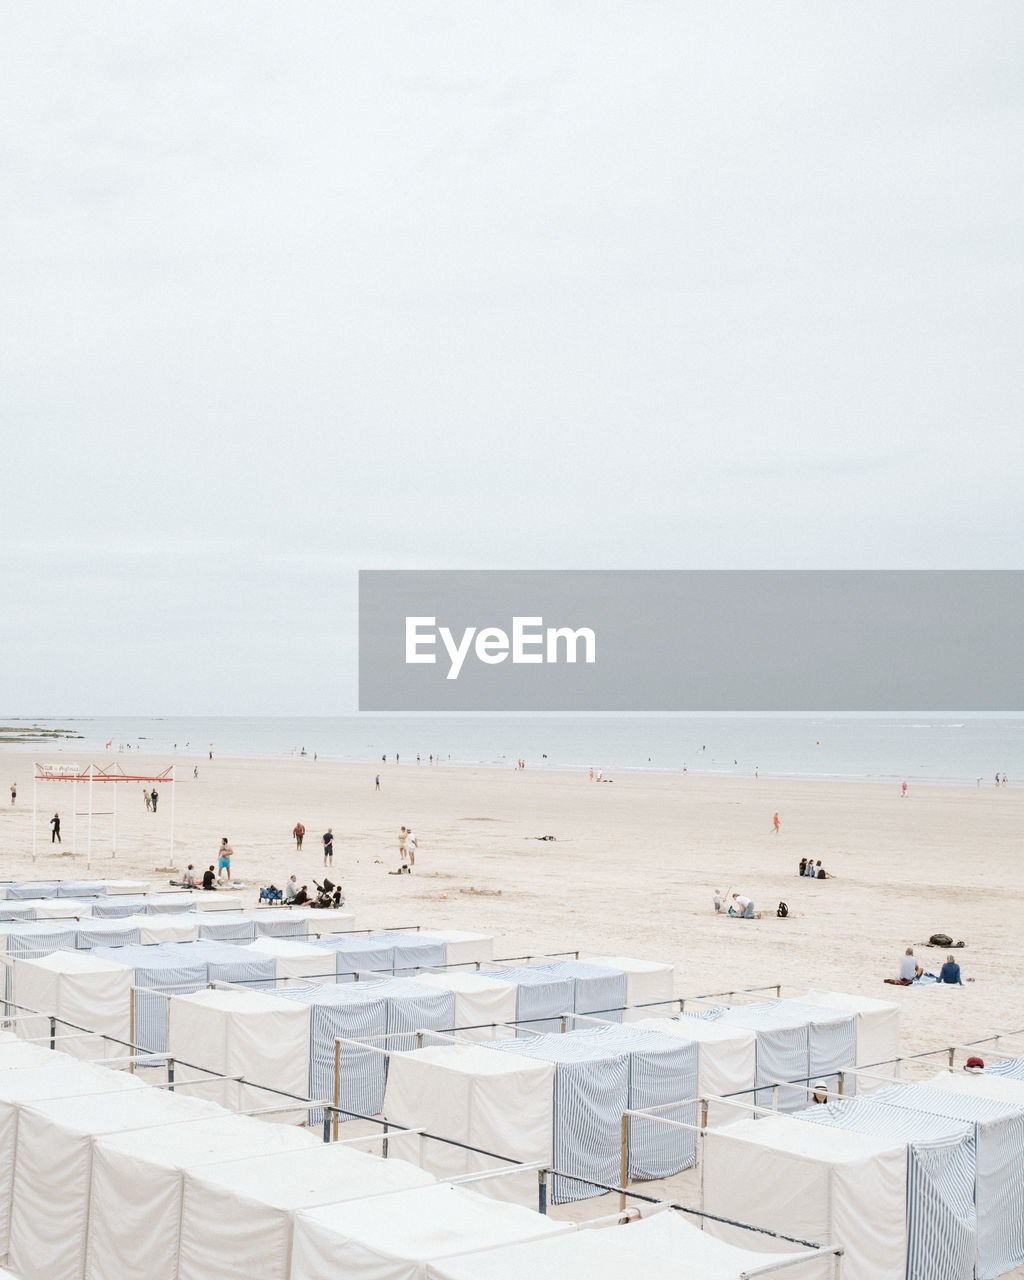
942, 747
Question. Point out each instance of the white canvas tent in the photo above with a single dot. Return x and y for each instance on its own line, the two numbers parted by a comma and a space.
478, 1000
501, 1103
78, 988
25, 1081
261, 1037
726, 1061
398, 1236
461, 947
541, 996
661, 1247
176, 927
237, 1217
981, 1084
814, 1183
877, 1031
647, 981
295, 958
138, 1185
53, 1170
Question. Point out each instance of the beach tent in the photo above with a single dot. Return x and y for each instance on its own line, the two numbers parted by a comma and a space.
282, 922
138, 1185
61, 1077
237, 1217
812, 1182
648, 982
295, 959
38, 939
81, 889
599, 1073
18, 911
87, 991
53, 1171
234, 927
541, 996
15, 1053
999, 1172
796, 1042
462, 948
48, 909
324, 924
385, 1013
500, 1103
33, 889
664, 1246
1012, 1068
399, 1235
983, 1084
479, 1000
178, 927
115, 888
877, 1031
596, 990
726, 1060
157, 969
412, 952
106, 933
942, 1222
260, 1037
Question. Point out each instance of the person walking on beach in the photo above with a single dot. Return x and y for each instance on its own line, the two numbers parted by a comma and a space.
329, 847
903, 792
775, 823
14, 792
410, 847
154, 797
403, 854
55, 829
377, 785
298, 832
149, 802
224, 859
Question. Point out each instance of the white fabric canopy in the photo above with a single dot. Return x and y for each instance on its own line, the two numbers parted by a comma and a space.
395, 1237
325, 924
57, 908
462, 947
61, 1077
81, 989
646, 982
295, 959
502, 1103
980, 1084
878, 1031
245, 1033
237, 1217
662, 1247
478, 1000
53, 1168
138, 1183
183, 927
813, 1182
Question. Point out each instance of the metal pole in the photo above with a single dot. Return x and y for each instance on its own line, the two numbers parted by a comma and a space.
384, 1143
131, 1028
170, 1075
35, 786
74, 814
88, 838
53, 1032
113, 844
624, 1160
171, 863
337, 1085
542, 1190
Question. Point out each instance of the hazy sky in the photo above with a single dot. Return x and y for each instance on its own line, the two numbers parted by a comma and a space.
291, 290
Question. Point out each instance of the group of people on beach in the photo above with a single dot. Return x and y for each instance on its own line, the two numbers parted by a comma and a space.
911, 971
808, 867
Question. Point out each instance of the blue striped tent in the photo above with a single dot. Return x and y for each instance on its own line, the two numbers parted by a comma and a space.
942, 1222
39, 938
999, 1174
831, 1042
599, 1073
276, 923
411, 953
171, 904
540, 996
596, 989
81, 889
33, 889
128, 904
105, 933
1013, 1068
16, 911
227, 927
364, 954
156, 971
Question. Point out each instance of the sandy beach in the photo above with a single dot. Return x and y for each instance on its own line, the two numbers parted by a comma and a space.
631, 872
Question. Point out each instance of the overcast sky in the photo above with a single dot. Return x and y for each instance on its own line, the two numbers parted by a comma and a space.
292, 290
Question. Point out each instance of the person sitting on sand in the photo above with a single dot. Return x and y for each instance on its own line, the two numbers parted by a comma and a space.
208, 879
820, 873
950, 973
742, 907
189, 878
803, 867
291, 889
301, 897
909, 968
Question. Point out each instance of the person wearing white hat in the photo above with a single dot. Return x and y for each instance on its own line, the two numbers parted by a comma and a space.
820, 1091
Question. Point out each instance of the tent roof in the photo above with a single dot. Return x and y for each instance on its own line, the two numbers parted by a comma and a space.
983, 1085
849, 1003
109, 1113
76, 962
274, 946
66, 1078
230, 1000
693, 1028
627, 965
222, 1137
801, 1138
428, 1222
477, 1060
661, 1247
454, 981
315, 1175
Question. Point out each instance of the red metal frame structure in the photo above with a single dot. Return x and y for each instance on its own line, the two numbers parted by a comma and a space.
90, 773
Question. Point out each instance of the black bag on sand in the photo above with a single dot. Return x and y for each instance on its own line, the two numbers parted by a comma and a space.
940, 940
783, 910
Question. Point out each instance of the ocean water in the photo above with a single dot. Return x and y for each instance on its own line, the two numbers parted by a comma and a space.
940, 747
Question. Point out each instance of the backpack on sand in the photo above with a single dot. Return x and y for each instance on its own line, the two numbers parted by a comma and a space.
783, 910
940, 940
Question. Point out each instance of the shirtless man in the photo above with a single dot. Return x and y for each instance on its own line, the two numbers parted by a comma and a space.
403, 853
